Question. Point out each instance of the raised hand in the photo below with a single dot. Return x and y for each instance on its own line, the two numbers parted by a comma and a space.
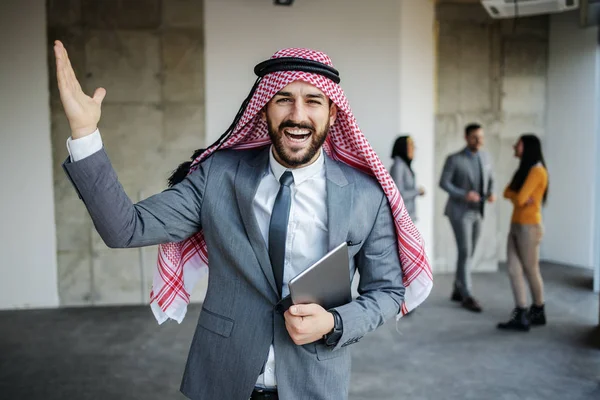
83, 112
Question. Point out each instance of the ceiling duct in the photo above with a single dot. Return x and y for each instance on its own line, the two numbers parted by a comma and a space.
523, 8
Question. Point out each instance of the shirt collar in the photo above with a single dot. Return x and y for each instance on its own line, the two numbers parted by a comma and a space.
470, 153
300, 174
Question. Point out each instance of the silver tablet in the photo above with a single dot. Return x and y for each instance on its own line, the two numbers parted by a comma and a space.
326, 282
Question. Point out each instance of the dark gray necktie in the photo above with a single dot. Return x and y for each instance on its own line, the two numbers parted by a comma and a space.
278, 227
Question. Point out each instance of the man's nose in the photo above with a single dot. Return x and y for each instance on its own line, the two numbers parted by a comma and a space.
298, 112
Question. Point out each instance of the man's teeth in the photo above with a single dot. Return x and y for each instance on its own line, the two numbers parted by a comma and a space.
297, 134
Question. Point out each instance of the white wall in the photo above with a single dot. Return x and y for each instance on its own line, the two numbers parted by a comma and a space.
571, 142
417, 101
597, 198
27, 229
386, 69
362, 41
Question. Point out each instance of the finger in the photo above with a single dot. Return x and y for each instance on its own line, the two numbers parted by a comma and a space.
305, 310
60, 68
58, 55
63, 66
66, 56
99, 95
58, 50
61, 62
291, 319
292, 327
296, 327
70, 73
58, 61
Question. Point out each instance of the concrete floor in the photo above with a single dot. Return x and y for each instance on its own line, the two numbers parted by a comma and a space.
440, 352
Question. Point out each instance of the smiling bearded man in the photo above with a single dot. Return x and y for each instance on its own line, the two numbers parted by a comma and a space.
299, 143
292, 178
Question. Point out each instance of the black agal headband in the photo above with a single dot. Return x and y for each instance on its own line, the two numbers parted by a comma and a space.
296, 64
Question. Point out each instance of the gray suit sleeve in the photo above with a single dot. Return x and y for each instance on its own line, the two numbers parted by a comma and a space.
491, 181
170, 216
398, 175
380, 288
446, 180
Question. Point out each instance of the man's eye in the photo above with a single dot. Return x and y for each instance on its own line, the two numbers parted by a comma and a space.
284, 100
314, 101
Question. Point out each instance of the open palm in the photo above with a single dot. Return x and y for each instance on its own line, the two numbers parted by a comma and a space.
83, 112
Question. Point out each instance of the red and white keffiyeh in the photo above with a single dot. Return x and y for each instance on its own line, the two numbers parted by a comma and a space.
181, 265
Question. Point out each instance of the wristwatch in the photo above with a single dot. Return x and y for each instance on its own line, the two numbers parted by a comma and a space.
332, 338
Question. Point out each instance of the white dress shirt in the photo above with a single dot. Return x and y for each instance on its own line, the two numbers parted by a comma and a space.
85, 146
306, 240
307, 230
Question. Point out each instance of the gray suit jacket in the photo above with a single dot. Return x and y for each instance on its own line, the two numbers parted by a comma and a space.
238, 322
457, 180
405, 181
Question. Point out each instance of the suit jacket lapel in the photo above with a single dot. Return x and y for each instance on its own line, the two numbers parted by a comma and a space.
339, 203
247, 179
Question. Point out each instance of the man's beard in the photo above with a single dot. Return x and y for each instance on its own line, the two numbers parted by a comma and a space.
303, 156
474, 147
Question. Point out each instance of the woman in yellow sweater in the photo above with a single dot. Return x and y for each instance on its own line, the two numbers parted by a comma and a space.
527, 191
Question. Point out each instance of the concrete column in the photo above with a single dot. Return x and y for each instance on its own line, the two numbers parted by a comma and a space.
27, 230
416, 93
149, 56
492, 72
571, 144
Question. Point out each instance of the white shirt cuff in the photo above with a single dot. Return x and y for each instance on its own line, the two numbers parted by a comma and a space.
85, 146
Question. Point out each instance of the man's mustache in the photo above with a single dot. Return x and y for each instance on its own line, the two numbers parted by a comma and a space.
302, 125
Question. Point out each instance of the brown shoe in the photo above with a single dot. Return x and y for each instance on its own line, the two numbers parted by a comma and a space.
471, 304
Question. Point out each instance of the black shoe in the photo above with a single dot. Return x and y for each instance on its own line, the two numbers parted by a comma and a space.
456, 296
471, 304
537, 316
519, 321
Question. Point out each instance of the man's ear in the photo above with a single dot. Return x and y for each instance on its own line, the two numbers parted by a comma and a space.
332, 113
263, 114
